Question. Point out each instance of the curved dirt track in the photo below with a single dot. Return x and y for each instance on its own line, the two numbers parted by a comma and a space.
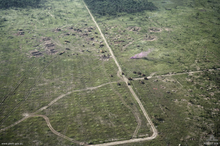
54, 131
52, 102
92, 88
48, 124
133, 93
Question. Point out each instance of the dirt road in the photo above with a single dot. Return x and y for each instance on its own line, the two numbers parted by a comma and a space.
182, 73
132, 92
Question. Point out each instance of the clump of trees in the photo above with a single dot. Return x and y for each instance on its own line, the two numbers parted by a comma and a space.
112, 7
19, 3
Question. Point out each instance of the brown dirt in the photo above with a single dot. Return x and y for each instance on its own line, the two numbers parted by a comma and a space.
150, 38
118, 42
153, 29
167, 29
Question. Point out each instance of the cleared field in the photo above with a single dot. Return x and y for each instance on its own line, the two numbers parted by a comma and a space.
55, 64
101, 115
183, 107
181, 38
58, 77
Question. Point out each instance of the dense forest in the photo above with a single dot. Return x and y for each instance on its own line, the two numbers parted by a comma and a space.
112, 7
4, 4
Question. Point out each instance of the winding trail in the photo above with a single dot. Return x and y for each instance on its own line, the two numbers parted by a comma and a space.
54, 131
48, 124
51, 103
168, 75
119, 73
155, 133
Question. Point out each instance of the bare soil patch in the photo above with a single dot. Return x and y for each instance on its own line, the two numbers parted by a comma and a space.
153, 29
150, 38
118, 42
49, 46
167, 29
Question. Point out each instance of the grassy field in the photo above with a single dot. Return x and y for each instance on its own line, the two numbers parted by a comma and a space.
53, 50
185, 38
55, 53
183, 107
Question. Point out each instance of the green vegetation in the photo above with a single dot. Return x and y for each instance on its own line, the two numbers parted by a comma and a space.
33, 131
113, 7
183, 107
47, 53
19, 3
54, 57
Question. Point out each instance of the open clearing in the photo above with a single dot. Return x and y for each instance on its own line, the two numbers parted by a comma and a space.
66, 77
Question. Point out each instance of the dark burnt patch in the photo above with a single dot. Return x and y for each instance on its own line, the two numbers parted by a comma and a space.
46, 39
67, 41
20, 33
58, 29
77, 30
105, 57
85, 34
50, 45
36, 53
118, 42
52, 51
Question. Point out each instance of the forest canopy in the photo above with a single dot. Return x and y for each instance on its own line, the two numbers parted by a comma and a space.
19, 3
112, 7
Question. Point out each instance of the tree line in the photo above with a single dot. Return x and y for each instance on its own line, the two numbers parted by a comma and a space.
112, 7
19, 3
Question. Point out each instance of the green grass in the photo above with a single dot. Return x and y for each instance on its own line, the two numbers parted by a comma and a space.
96, 116
30, 132
174, 50
29, 83
182, 107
